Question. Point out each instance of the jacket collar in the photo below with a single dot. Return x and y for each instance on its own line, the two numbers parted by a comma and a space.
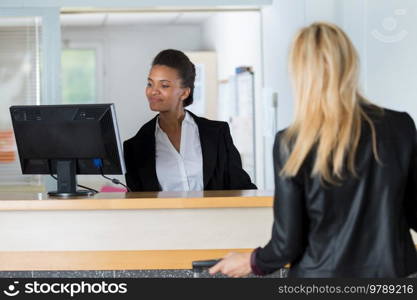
148, 168
209, 141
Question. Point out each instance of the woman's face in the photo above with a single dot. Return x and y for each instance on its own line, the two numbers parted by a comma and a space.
164, 91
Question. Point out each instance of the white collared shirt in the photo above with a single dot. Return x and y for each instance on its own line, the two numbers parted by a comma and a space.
181, 171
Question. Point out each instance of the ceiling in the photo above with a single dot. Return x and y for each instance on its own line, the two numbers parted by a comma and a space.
128, 18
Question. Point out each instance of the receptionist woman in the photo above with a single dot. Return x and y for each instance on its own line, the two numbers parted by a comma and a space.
177, 150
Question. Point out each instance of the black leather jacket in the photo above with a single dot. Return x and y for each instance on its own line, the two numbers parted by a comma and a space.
360, 228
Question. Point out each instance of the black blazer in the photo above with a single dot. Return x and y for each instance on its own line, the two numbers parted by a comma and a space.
360, 228
222, 166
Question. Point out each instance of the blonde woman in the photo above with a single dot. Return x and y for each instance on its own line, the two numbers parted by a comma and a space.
345, 175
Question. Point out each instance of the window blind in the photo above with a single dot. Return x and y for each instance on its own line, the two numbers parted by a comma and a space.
20, 48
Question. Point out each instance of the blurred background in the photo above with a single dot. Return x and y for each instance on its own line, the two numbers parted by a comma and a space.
95, 51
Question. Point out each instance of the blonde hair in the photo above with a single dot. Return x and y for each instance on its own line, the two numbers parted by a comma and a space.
328, 110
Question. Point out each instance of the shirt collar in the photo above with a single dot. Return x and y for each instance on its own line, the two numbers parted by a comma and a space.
188, 119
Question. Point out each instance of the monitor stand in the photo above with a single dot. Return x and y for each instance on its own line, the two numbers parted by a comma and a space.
67, 181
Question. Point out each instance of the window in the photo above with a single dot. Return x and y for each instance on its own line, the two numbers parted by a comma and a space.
79, 76
20, 40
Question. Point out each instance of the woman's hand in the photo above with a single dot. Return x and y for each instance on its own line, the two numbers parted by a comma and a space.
233, 265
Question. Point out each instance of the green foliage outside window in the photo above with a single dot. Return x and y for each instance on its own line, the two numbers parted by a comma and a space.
78, 76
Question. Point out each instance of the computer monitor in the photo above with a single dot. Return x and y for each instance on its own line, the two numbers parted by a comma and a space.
68, 140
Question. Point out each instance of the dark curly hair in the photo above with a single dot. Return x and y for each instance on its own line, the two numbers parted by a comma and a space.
179, 61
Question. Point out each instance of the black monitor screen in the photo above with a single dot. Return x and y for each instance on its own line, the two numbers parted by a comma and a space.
83, 133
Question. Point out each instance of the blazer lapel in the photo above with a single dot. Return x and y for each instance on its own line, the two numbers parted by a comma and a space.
147, 168
209, 142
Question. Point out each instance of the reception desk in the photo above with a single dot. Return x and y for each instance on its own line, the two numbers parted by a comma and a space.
113, 232
129, 231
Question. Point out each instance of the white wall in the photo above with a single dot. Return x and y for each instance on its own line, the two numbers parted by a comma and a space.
388, 69
127, 56
236, 38
387, 41
279, 22
321, 10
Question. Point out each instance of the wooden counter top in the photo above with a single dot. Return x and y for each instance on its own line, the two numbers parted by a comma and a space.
141, 200
108, 260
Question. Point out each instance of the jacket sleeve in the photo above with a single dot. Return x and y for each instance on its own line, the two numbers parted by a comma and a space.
132, 181
288, 238
236, 178
411, 189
